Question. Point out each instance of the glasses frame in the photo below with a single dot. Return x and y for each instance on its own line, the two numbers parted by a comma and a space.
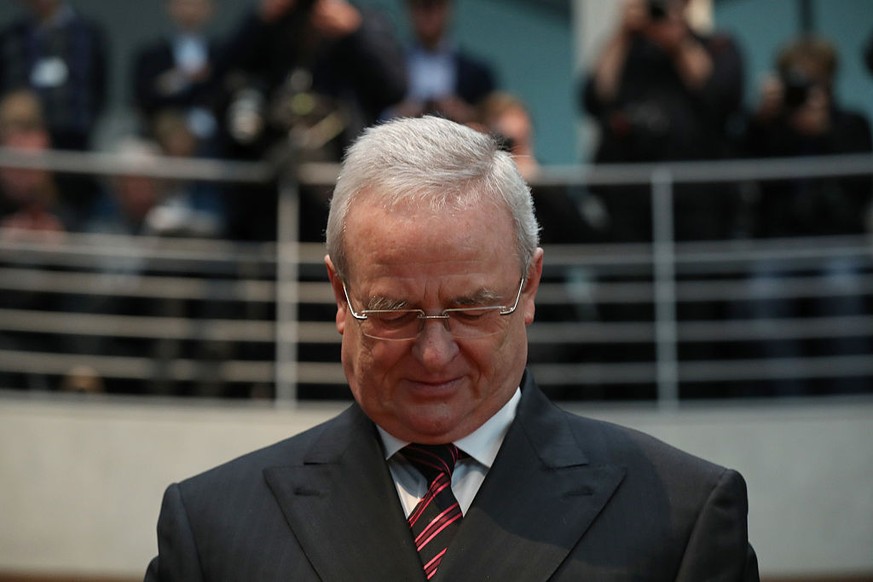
423, 316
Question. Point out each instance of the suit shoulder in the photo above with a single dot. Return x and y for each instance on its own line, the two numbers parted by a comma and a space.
621, 444
289, 451
655, 470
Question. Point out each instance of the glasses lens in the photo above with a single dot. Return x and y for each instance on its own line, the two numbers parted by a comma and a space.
460, 322
398, 324
408, 324
471, 323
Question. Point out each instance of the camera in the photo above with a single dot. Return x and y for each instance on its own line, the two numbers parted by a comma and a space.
658, 9
504, 142
796, 86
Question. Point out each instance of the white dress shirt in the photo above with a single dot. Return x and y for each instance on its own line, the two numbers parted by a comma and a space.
432, 74
190, 52
481, 445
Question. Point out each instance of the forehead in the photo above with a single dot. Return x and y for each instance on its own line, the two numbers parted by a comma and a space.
410, 240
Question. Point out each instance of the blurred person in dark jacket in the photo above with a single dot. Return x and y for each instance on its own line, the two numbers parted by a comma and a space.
31, 207
867, 53
62, 56
508, 118
566, 214
31, 213
292, 64
662, 91
136, 202
798, 115
309, 75
174, 71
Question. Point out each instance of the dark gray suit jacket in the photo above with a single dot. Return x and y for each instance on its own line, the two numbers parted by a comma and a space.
568, 498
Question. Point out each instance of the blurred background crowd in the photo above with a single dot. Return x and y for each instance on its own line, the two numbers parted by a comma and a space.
309, 75
315, 72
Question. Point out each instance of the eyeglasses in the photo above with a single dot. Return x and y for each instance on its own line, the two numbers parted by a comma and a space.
407, 324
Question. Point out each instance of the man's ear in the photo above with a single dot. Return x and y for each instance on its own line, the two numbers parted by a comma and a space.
339, 296
529, 293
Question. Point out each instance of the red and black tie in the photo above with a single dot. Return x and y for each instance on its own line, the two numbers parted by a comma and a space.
436, 518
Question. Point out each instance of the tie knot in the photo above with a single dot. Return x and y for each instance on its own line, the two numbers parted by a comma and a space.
433, 460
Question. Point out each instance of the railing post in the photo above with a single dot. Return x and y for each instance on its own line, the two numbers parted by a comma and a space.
287, 267
664, 265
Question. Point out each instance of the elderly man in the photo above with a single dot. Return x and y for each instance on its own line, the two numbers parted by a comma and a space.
451, 464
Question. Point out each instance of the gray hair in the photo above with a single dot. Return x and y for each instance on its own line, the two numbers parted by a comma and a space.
435, 163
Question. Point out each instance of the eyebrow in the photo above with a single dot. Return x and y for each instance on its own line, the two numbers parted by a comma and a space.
480, 297
381, 303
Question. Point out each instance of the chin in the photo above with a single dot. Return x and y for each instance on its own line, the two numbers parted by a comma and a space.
434, 427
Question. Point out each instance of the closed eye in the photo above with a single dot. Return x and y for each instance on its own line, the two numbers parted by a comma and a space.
393, 316
471, 314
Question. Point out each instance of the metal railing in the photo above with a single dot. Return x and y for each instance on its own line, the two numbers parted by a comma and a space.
247, 319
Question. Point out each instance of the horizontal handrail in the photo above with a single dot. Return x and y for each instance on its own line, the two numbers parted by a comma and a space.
704, 172
321, 173
156, 327
93, 249
579, 279
136, 368
113, 164
160, 287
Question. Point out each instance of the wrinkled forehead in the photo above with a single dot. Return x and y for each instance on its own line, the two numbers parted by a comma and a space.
415, 232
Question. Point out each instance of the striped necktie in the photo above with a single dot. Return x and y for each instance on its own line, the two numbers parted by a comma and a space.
436, 518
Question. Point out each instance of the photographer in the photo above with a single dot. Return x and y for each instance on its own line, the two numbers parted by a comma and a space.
293, 63
307, 73
662, 91
798, 115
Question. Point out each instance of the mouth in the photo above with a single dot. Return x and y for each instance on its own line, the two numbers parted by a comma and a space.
433, 388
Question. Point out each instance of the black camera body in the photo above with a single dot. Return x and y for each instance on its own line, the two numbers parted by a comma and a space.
658, 9
796, 86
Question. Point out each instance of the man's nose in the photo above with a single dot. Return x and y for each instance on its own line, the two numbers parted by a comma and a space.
435, 346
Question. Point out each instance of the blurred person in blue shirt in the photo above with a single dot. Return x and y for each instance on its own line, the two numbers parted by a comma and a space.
444, 78
174, 71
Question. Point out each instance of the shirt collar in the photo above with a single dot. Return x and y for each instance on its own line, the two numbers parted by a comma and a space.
184, 36
445, 47
482, 444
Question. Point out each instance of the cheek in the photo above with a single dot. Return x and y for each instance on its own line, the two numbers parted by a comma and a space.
367, 362
504, 357
488, 358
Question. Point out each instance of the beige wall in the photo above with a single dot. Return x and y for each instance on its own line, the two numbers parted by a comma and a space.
81, 480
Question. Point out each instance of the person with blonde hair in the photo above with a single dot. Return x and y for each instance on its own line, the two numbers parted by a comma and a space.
30, 202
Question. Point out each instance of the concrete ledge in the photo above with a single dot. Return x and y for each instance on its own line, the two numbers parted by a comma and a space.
81, 479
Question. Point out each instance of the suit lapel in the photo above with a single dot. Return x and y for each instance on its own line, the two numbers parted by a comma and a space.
534, 507
536, 503
342, 499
